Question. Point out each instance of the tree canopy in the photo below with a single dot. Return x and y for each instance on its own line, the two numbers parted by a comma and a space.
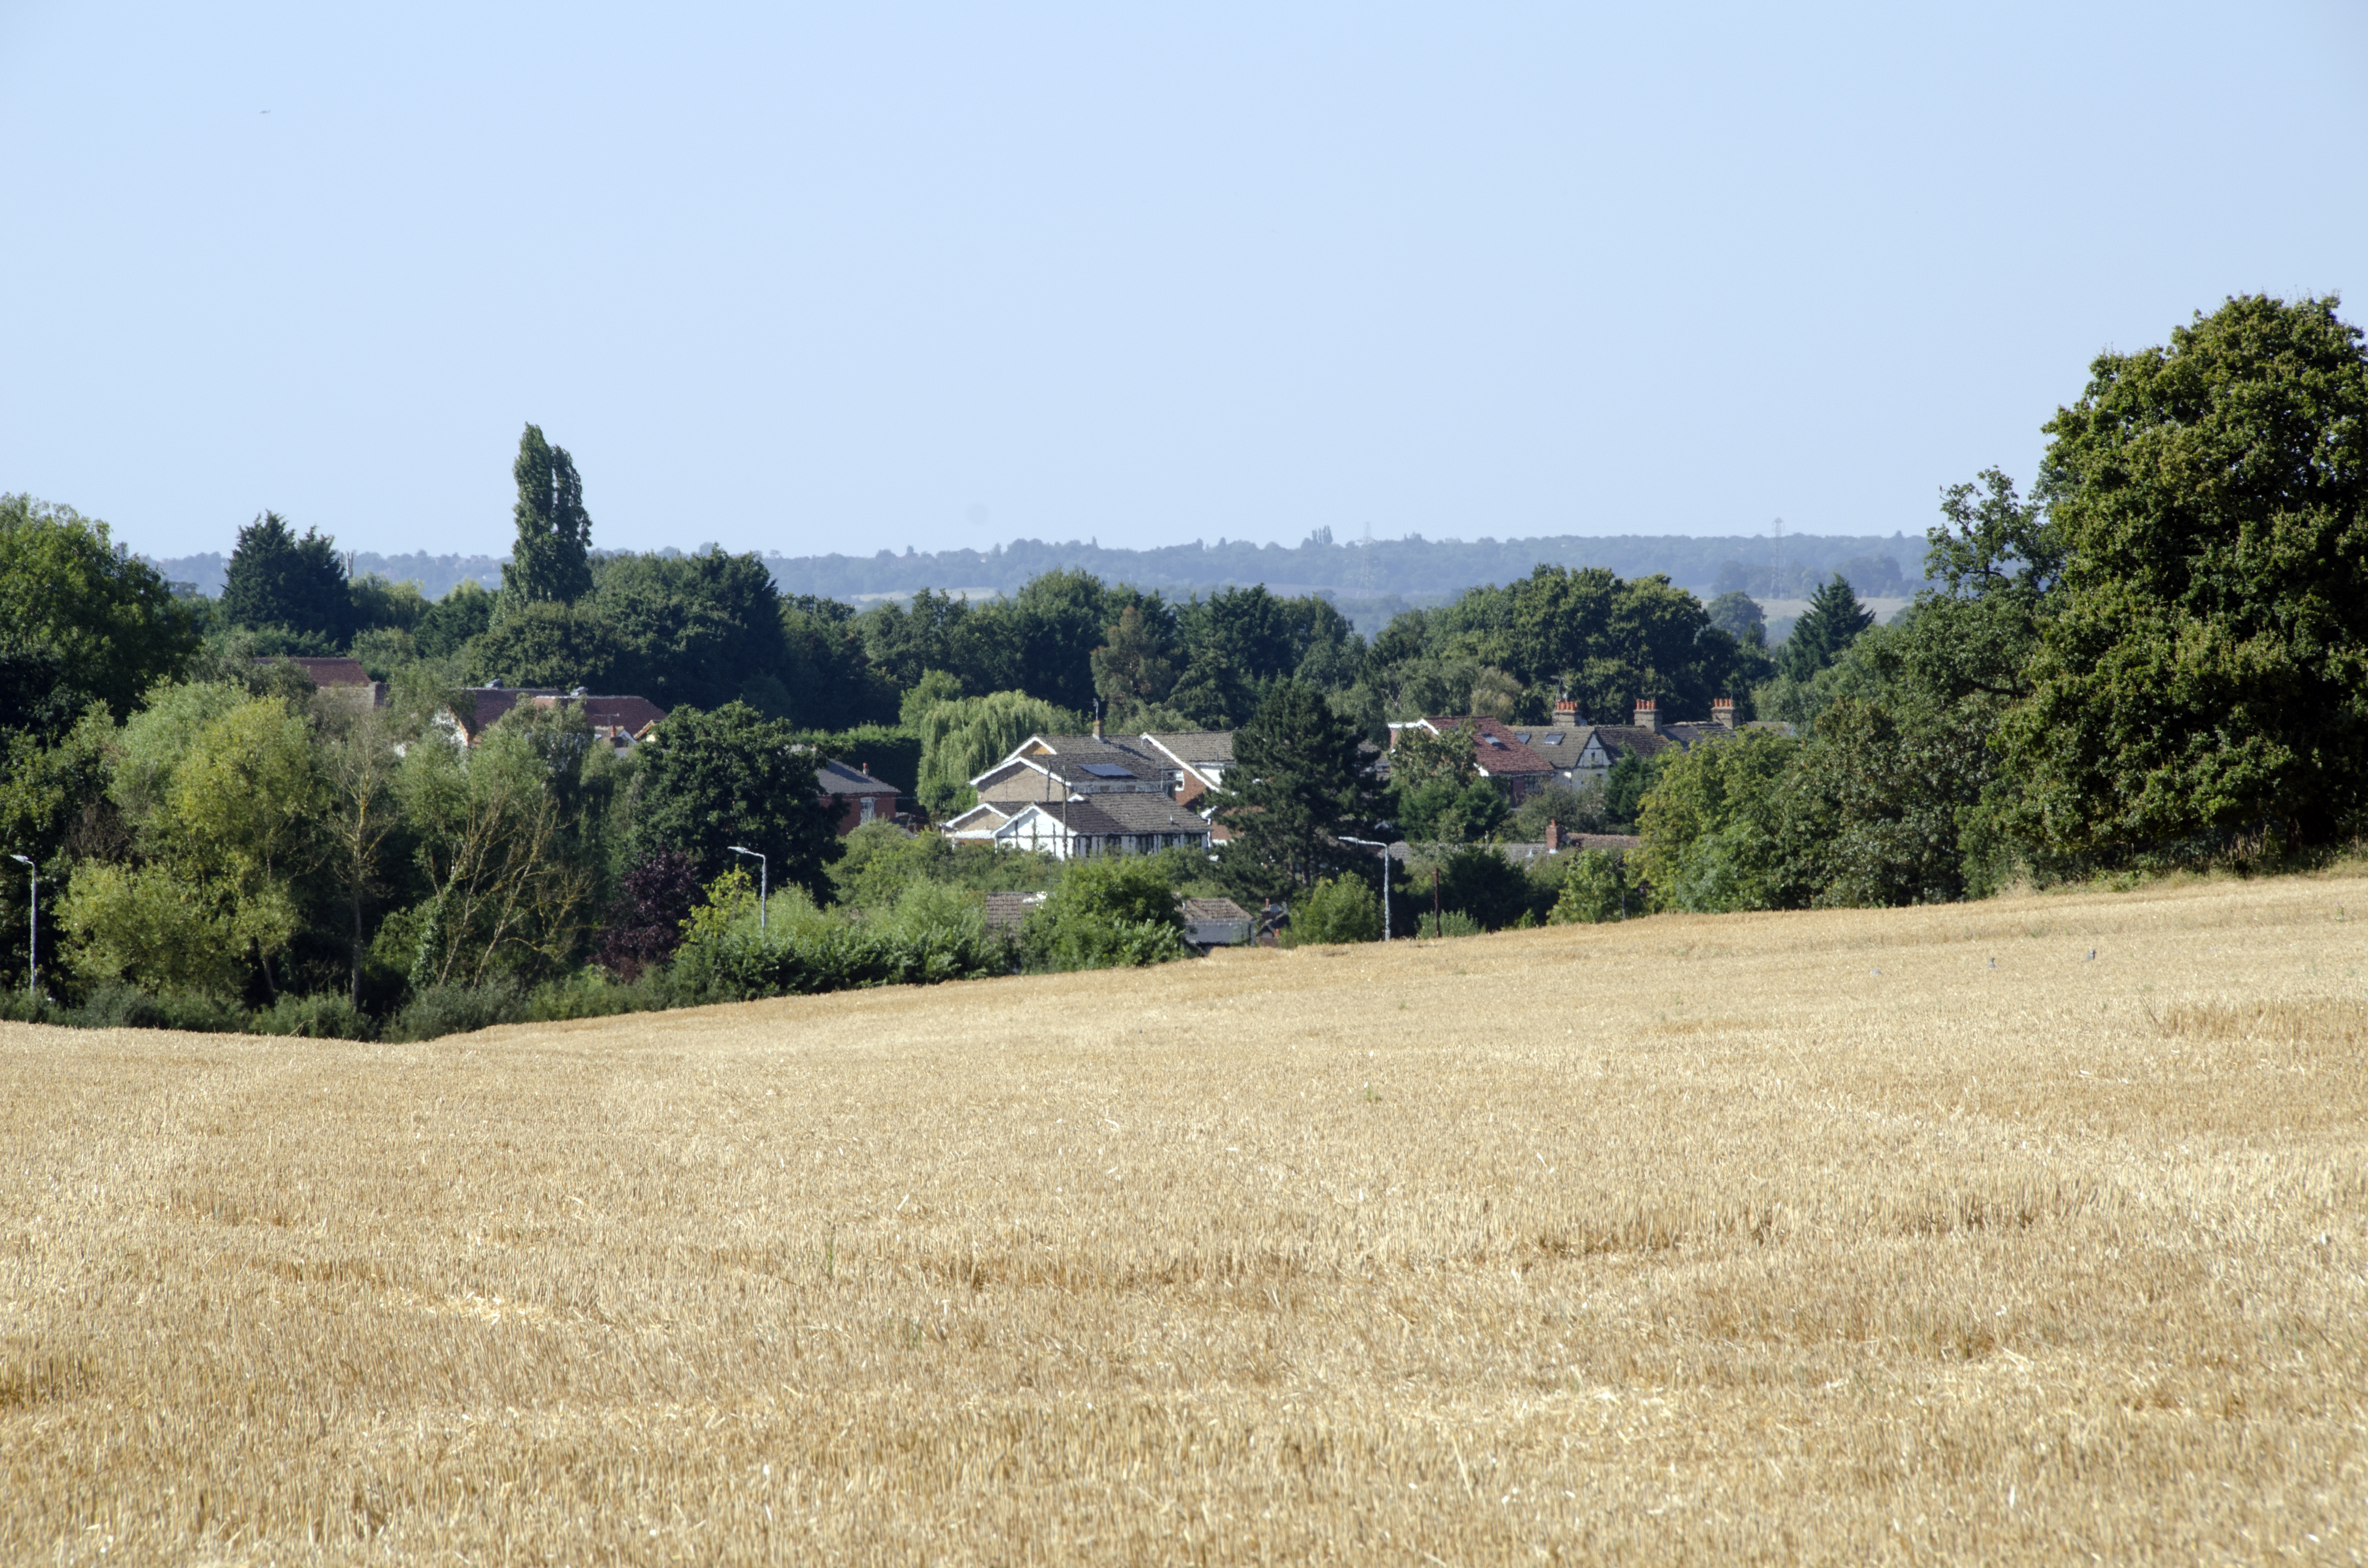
2204, 677
81, 621
551, 561
1298, 782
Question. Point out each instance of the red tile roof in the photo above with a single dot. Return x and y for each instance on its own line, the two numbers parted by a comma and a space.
1500, 751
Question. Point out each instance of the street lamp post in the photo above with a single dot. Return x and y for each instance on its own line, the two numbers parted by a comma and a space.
763, 871
32, 930
1372, 844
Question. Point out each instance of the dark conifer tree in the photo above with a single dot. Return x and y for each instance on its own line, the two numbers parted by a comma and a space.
1299, 780
1829, 625
275, 579
551, 561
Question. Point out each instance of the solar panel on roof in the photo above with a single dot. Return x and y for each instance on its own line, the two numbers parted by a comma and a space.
1109, 770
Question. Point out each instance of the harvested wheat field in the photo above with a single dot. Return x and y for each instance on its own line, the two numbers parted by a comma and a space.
1837, 1237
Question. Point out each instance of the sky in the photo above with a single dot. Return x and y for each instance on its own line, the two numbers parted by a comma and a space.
802, 278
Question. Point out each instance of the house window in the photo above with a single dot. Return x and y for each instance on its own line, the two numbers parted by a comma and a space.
868, 804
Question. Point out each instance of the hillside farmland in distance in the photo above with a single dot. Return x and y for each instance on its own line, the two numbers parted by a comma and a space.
1839, 1236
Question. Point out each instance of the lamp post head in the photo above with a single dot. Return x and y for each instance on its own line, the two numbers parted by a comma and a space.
736, 849
25, 859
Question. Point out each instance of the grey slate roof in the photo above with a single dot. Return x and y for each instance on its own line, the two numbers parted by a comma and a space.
836, 777
1106, 816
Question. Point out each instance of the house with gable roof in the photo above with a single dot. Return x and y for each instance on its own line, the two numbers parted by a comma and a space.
1498, 750
1079, 796
624, 722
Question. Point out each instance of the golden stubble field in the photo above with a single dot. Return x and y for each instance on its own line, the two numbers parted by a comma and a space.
1844, 1237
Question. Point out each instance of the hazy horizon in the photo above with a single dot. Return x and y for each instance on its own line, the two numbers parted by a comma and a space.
811, 280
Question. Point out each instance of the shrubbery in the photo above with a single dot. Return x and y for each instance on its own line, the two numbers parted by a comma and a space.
1337, 909
1105, 914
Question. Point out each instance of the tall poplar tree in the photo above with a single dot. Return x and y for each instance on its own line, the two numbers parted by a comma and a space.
551, 562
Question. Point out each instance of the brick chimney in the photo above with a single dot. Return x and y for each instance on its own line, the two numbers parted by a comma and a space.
1567, 714
1722, 711
1098, 717
1648, 715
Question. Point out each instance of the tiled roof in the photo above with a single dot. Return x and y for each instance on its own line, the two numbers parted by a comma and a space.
1150, 813
1496, 749
1209, 910
836, 777
1644, 741
631, 715
1214, 746
1067, 758
1104, 816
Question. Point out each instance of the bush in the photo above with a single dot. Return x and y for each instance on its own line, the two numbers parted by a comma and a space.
1480, 884
645, 920
128, 1007
1337, 909
1593, 889
329, 1015
593, 993
1105, 914
930, 934
440, 1010
1453, 922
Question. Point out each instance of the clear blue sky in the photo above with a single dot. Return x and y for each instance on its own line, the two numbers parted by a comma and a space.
847, 276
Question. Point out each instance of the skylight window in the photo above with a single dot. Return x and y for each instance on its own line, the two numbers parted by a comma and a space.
1108, 770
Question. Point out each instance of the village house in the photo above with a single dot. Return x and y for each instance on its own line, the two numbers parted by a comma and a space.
1084, 828
853, 796
344, 678
1191, 763
1088, 795
1581, 753
1498, 752
624, 722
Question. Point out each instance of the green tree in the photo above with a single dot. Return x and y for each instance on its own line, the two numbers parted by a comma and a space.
1337, 909
359, 763
1135, 664
221, 792
551, 561
546, 643
501, 850
80, 620
445, 627
1713, 827
716, 780
1831, 624
1439, 792
2204, 678
1739, 615
960, 740
1106, 914
55, 810
276, 580
699, 631
1298, 782
1625, 784
1594, 890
